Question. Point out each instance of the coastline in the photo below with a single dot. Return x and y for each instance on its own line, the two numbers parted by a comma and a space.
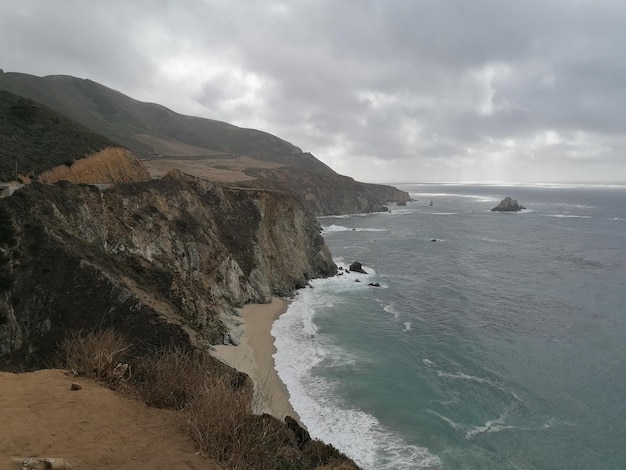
254, 356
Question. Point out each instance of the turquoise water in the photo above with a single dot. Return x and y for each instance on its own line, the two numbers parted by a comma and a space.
499, 345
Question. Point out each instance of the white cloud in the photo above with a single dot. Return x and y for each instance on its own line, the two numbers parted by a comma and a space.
451, 90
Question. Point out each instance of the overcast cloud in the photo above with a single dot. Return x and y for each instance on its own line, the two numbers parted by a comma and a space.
381, 90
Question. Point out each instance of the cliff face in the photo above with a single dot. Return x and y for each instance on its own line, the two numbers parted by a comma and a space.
160, 261
330, 194
110, 165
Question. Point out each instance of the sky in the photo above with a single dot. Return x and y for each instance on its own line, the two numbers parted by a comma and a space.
380, 90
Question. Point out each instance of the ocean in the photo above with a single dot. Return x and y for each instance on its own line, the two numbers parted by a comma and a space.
495, 340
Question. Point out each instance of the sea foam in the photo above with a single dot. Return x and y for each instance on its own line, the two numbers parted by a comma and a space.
340, 228
300, 350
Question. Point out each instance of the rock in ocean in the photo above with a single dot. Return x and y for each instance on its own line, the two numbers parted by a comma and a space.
508, 205
357, 267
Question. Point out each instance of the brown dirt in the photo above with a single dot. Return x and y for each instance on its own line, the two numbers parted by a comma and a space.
92, 428
174, 147
221, 170
110, 165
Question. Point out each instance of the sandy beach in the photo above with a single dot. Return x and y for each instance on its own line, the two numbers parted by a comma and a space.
254, 356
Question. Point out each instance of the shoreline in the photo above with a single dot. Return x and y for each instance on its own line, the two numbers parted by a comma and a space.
254, 356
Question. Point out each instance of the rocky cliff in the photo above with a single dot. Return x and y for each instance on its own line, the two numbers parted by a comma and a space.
329, 194
164, 261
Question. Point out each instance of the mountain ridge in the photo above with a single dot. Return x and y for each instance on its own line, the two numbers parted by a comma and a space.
158, 134
93, 104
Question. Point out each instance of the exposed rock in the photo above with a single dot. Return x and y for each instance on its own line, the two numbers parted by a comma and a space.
75, 386
37, 463
374, 284
508, 205
164, 261
357, 268
330, 194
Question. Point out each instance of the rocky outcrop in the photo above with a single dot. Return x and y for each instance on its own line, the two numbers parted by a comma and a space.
357, 268
163, 261
508, 205
110, 165
330, 194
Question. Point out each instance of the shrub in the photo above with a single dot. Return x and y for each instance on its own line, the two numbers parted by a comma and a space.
215, 404
169, 379
215, 418
98, 354
7, 231
325, 457
6, 281
221, 423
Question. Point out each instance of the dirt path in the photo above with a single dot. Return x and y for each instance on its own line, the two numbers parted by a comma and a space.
92, 428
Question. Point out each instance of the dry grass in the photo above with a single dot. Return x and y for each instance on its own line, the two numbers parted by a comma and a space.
169, 379
215, 419
215, 405
101, 355
110, 165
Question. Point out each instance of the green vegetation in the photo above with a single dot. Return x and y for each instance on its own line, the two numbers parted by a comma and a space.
35, 138
7, 241
215, 405
7, 231
123, 119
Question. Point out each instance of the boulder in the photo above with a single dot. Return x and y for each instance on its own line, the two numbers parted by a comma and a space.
357, 268
508, 205
39, 463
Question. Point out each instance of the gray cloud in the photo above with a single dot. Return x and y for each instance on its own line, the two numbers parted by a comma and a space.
394, 90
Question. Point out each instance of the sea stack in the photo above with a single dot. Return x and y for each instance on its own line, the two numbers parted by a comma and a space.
508, 205
357, 268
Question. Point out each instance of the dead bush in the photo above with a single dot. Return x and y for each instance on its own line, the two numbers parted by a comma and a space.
98, 354
222, 425
324, 456
215, 418
170, 379
215, 404
340, 466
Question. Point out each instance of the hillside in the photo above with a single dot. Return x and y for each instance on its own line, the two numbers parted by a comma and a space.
203, 147
36, 138
147, 129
